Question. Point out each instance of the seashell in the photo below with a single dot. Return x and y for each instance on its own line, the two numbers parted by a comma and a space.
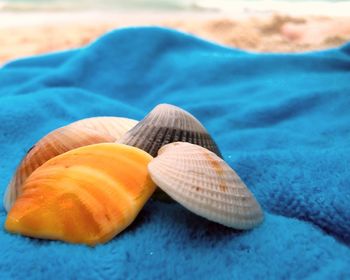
165, 124
87, 195
114, 126
206, 185
77, 134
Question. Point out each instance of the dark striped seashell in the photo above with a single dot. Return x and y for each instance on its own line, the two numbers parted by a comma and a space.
166, 124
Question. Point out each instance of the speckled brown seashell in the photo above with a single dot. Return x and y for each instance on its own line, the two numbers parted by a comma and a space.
81, 133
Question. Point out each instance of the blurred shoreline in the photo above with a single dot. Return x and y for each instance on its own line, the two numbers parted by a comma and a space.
31, 33
223, 7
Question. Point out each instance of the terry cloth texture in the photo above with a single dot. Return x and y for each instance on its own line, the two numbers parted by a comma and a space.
282, 121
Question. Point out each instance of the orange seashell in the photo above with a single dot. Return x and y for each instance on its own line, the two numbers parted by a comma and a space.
87, 195
81, 133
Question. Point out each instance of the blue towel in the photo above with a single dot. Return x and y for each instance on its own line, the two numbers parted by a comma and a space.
282, 122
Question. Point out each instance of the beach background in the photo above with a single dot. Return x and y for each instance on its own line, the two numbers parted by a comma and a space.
31, 27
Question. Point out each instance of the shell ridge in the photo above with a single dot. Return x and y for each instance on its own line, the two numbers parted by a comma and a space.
176, 175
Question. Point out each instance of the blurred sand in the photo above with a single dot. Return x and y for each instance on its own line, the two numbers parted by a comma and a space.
273, 33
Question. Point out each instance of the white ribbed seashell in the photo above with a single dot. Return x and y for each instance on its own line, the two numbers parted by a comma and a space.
206, 185
77, 134
166, 124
